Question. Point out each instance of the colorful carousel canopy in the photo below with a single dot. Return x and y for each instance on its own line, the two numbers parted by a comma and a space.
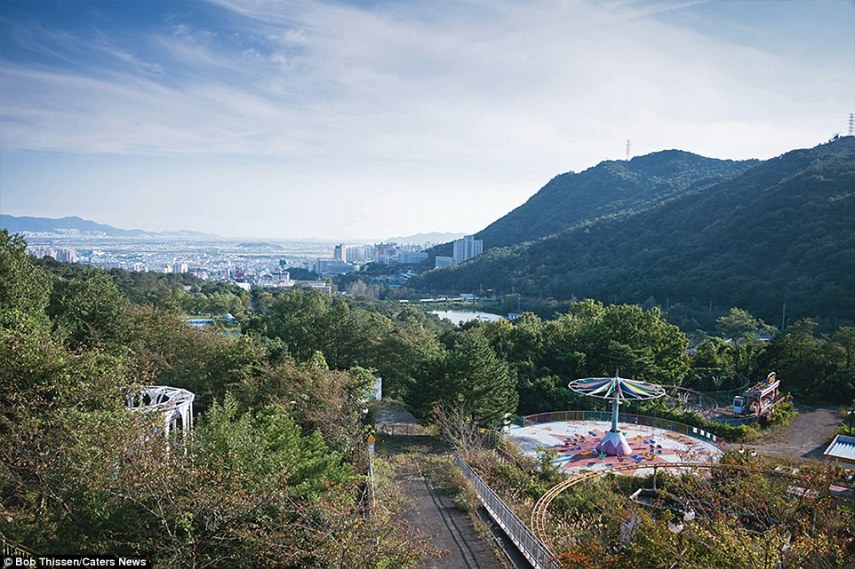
617, 388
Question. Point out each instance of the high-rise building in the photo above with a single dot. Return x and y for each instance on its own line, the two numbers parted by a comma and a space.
467, 248
357, 254
66, 255
340, 253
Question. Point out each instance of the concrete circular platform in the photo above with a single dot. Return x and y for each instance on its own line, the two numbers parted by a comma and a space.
576, 441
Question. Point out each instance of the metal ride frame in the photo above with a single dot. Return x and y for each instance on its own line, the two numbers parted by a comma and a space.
539, 512
173, 403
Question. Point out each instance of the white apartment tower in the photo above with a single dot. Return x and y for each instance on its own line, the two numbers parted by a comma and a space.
340, 253
466, 248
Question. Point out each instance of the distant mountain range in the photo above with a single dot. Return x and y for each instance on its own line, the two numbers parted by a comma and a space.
83, 227
679, 226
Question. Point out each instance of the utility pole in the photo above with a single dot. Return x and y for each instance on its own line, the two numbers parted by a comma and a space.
783, 316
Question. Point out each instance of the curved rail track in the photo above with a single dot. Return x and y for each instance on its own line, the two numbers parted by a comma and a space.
539, 512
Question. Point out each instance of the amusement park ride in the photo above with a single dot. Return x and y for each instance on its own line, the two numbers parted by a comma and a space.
759, 400
617, 390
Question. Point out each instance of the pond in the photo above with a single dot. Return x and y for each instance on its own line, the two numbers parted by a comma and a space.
458, 317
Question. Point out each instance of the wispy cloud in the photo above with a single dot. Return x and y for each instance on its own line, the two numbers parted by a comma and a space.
306, 75
482, 96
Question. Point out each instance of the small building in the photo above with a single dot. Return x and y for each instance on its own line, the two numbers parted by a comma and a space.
411, 257
442, 262
841, 452
332, 267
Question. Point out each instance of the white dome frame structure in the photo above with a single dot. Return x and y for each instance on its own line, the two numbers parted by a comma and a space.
173, 403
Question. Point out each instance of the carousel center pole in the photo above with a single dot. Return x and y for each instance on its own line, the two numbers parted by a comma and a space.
615, 405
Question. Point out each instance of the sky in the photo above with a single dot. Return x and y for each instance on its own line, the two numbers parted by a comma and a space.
360, 120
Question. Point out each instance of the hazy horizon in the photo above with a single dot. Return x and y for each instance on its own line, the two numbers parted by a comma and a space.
339, 121
202, 236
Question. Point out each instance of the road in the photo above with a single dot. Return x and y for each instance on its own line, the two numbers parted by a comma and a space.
807, 435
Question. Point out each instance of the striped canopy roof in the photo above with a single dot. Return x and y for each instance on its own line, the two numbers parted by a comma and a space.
616, 388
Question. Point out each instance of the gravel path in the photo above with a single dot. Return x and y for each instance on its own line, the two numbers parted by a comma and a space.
807, 436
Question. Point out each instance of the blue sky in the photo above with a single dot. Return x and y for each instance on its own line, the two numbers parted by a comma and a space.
359, 120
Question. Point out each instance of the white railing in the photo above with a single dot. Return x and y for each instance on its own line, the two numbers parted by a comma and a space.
529, 545
10, 550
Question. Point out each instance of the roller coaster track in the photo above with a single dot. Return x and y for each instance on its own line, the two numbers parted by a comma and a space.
711, 403
539, 512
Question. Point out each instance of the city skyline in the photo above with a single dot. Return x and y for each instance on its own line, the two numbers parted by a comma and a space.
357, 120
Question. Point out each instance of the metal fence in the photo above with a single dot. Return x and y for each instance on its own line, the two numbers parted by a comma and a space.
401, 429
10, 550
529, 545
627, 418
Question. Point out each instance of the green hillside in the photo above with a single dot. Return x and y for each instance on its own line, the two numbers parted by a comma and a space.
609, 188
782, 231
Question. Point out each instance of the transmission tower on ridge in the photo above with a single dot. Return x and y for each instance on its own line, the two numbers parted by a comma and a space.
851, 124
627, 142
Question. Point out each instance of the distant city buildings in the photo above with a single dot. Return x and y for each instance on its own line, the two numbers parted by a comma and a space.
348, 258
412, 257
332, 267
467, 248
358, 253
286, 282
63, 255
252, 263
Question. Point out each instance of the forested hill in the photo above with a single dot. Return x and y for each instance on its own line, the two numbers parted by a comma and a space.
609, 188
780, 232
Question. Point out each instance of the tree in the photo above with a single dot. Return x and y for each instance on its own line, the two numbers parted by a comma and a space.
165, 350
319, 400
595, 340
24, 289
814, 367
713, 363
404, 349
89, 311
739, 323
469, 377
